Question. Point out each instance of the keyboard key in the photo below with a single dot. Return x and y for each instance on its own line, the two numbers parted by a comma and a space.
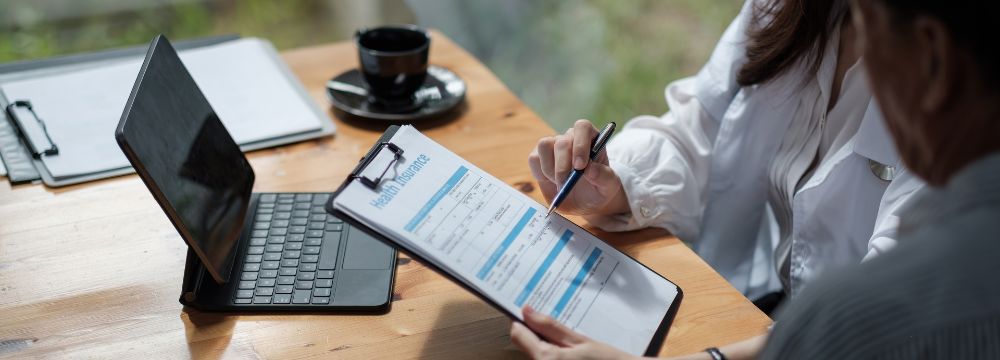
264, 217
244, 294
307, 267
303, 197
321, 292
300, 213
297, 230
247, 285
258, 241
279, 231
302, 206
313, 242
318, 210
324, 274
259, 233
265, 282
242, 301
314, 233
334, 227
309, 258
268, 274
253, 258
282, 215
320, 198
269, 265
251, 267
287, 271
323, 283
299, 222
282, 299
321, 300
272, 256
268, 198
276, 240
261, 225
310, 250
333, 220
291, 254
286, 280
300, 297
248, 276
299, 285
289, 262
283, 289
255, 250
293, 246
283, 207
261, 299
318, 226
279, 223
317, 217
264, 291
275, 247
286, 196
328, 256
309, 276
267, 210
296, 237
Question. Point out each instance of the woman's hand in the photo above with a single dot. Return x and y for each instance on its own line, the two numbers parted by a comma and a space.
562, 343
600, 191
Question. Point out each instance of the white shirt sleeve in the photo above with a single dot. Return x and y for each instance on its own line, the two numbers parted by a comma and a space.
903, 187
663, 162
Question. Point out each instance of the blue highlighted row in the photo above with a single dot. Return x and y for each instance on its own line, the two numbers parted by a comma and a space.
563, 240
587, 265
492, 261
450, 184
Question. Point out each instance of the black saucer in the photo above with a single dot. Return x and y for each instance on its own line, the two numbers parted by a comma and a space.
441, 92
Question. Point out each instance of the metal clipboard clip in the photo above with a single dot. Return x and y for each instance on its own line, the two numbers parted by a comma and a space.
366, 176
49, 150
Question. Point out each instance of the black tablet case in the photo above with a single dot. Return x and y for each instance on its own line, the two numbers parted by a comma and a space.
651, 350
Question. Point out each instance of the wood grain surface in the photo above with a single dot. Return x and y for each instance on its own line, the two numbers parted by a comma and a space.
94, 270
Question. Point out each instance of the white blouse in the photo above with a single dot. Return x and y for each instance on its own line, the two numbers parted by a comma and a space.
763, 180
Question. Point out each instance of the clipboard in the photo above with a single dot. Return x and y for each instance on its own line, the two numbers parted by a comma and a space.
22, 166
384, 144
20, 138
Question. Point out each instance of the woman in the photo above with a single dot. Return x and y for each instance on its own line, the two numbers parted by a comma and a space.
773, 160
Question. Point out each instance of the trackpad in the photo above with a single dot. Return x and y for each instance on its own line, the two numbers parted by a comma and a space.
364, 252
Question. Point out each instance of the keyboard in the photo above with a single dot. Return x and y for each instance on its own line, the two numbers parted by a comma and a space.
292, 255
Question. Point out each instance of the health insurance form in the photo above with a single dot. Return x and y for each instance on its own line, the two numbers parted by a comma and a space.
500, 242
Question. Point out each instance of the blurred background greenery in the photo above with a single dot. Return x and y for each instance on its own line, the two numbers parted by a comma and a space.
604, 60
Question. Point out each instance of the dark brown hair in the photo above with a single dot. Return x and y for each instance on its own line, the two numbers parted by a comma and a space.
785, 32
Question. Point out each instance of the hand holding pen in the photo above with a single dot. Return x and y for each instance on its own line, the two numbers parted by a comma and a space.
597, 190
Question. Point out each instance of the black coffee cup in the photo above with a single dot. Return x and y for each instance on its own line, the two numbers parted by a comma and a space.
394, 64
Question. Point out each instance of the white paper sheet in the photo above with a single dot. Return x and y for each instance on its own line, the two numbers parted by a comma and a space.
477, 228
241, 79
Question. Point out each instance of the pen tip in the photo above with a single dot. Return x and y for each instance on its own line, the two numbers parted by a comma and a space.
551, 208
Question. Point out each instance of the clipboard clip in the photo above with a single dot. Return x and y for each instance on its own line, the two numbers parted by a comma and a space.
370, 182
51, 149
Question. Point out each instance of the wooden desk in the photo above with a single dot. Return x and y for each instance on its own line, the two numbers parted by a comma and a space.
94, 270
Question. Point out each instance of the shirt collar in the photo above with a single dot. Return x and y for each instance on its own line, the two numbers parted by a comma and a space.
975, 185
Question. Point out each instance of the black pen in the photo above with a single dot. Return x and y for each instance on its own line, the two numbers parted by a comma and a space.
595, 148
